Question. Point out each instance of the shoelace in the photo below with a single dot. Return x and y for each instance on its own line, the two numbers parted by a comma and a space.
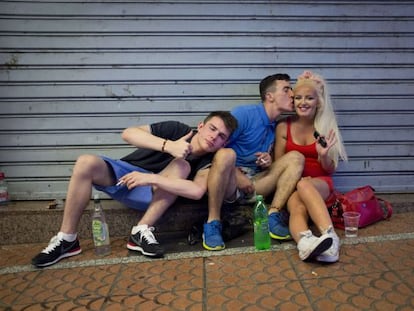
148, 235
54, 242
306, 234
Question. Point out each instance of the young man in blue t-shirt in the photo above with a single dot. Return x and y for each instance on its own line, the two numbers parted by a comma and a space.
247, 167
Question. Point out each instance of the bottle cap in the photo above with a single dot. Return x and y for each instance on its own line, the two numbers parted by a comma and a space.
259, 197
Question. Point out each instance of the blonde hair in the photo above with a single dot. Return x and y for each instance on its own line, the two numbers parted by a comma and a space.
325, 118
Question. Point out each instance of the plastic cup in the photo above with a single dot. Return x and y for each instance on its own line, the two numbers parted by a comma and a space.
351, 222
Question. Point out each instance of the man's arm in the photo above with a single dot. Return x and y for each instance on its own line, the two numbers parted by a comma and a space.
142, 137
191, 189
243, 182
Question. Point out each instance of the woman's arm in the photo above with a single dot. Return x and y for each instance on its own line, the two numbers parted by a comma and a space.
280, 140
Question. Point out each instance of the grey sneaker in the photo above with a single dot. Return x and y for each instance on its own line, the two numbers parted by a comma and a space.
332, 253
310, 246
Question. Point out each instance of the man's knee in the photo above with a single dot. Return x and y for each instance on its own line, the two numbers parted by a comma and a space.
225, 157
86, 162
295, 159
181, 166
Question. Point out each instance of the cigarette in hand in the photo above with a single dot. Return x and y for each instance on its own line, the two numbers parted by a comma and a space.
263, 161
120, 183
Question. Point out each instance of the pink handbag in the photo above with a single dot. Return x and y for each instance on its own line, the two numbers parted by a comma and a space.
362, 200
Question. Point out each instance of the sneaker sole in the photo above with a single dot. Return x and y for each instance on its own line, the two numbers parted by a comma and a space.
137, 248
215, 248
327, 259
66, 255
323, 246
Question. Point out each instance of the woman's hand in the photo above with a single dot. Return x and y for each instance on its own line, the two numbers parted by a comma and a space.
330, 141
326, 162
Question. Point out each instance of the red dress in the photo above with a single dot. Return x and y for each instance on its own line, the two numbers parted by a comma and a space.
313, 167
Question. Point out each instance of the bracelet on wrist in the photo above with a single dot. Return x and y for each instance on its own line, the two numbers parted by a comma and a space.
163, 145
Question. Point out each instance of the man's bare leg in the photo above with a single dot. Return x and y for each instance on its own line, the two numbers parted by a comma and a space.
283, 175
221, 185
162, 199
221, 182
88, 170
281, 179
142, 238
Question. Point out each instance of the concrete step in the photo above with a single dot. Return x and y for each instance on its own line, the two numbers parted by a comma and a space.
33, 222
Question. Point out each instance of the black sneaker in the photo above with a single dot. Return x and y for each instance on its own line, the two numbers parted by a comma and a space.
57, 249
144, 241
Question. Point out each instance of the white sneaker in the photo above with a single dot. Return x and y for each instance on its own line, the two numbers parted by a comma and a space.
310, 246
332, 253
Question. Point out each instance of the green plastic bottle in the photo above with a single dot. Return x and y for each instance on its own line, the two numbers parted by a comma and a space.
261, 224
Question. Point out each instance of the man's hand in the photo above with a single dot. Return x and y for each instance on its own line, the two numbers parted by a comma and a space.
135, 179
244, 183
264, 160
179, 148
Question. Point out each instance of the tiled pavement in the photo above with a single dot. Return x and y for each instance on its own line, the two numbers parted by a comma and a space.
375, 272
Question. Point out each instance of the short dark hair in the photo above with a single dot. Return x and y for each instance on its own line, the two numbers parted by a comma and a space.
268, 82
228, 119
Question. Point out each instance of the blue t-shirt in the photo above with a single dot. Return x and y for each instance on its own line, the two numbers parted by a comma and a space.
255, 133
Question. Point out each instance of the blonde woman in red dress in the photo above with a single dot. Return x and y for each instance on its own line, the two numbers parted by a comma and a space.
314, 132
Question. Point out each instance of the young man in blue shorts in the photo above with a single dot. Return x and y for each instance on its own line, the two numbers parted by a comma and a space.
171, 160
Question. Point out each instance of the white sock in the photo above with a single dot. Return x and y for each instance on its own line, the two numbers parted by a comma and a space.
68, 236
138, 228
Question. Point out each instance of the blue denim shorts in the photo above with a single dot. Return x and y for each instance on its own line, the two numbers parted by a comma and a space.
137, 198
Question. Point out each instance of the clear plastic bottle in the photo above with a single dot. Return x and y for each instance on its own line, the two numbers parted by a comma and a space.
261, 224
100, 232
4, 193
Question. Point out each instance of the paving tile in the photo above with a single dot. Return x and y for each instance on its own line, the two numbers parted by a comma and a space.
13, 285
159, 276
284, 295
93, 304
59, 285
164, 300
372, 291
264, 267
395, 254
353, 260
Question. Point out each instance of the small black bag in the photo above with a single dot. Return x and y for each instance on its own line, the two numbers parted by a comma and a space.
234, 224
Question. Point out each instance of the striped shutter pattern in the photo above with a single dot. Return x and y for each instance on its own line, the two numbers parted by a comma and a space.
75, 74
